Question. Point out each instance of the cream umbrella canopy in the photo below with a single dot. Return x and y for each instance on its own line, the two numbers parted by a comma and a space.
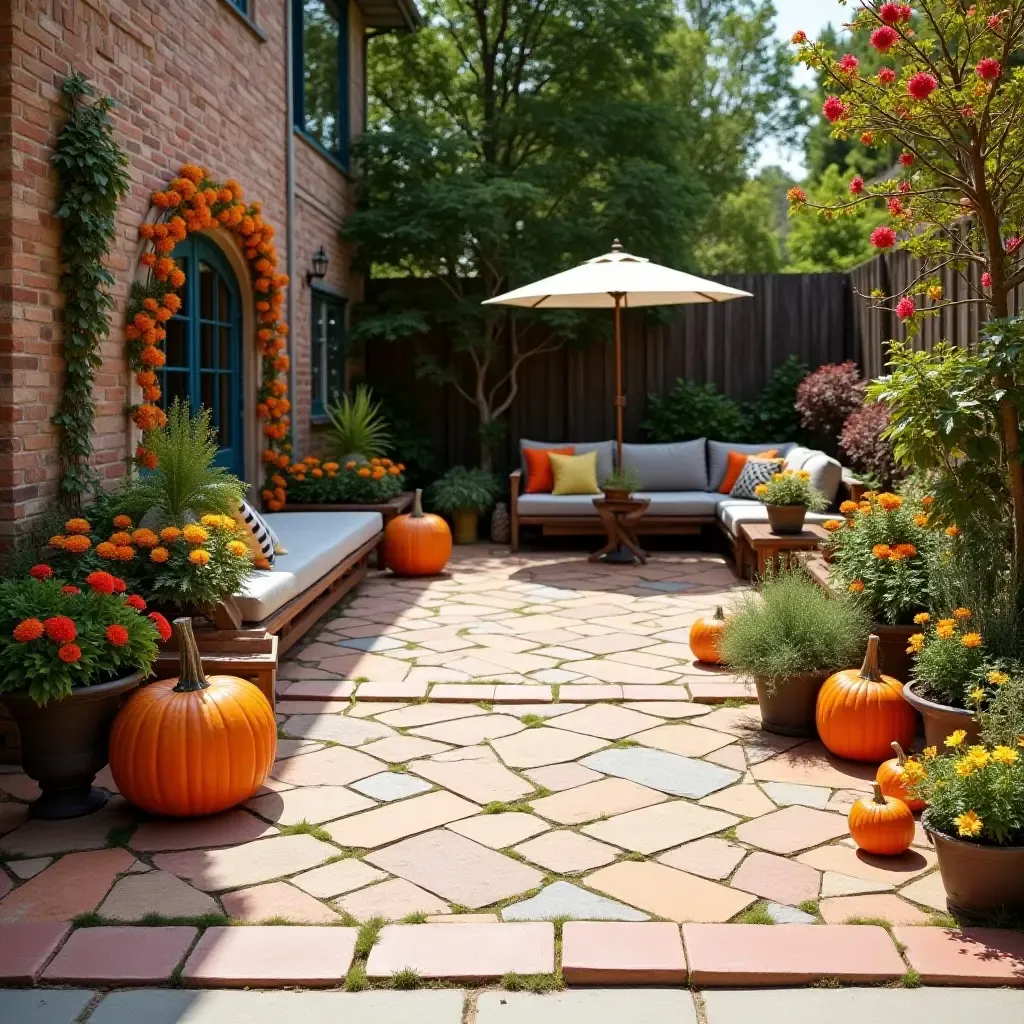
617, 280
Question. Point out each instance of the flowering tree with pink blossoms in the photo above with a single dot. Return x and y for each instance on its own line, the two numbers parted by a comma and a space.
949, 96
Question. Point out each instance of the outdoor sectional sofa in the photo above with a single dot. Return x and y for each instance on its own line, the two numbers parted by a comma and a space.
681, 480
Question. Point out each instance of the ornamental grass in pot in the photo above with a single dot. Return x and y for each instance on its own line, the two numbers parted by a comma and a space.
68, 657
788, 497
464, 494
789, 636
620, 484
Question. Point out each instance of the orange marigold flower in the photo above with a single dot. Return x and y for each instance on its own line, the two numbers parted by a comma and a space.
881, 551
120, 537
176, 278
952, 531
101, 582
77, 545
144, 538
857, 587
77, 525
122, 522
148, 259
364, 471
905, 550
848, 508
163, 627
971, 639
159, 555
28, 630
199, 556
237, 548
150, 303
890, 502
57, 541
70, 653
195, 534
317, 472
172, 302
961, 613
125, 553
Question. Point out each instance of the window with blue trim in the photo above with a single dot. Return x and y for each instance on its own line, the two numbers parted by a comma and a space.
242, 5
326, 353
320, 35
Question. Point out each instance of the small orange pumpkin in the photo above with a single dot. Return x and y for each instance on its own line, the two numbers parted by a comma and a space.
192, 745
881, 824
890, 778
706, 638
417, 544
860, 712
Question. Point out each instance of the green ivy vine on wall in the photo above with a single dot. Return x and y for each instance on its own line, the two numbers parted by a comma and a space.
91, 167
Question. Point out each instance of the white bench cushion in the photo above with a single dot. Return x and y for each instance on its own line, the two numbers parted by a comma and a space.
663, 503
826, 473
733, 511
316, 543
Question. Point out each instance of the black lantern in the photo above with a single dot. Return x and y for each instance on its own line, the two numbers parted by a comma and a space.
319, 271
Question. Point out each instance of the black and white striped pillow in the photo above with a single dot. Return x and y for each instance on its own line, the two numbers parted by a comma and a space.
257, 535
754, 473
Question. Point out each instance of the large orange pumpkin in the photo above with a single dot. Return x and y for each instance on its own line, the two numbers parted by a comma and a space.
192, 745
890, 779
706, 638
417, 544
860, 713
881, 824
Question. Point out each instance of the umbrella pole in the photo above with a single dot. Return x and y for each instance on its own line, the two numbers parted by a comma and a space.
620, 398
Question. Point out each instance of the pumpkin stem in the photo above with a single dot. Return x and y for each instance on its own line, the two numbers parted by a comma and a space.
869, 670
901, 758
417, 504
719, 615
191, 677
879, 797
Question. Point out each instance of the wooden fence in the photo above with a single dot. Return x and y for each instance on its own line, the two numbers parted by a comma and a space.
567, 395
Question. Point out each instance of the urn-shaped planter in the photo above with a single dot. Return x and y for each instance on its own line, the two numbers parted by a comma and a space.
940, 720
786, 519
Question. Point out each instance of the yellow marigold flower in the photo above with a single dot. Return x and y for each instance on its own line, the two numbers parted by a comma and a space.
169, 534
848, 507
961, 613
954, 739
803, 474
832, 525
237, 548
865, 507
1005, 755
913, 771
778, 476
79, 525
760, 490
969, 824
159, 555
890, 502
965, 767
944, 632
930, 752
881, 551
997, 678
915, 643
971, 639
946, 622
952, 531
921, 618
857, 587
978, 754
199, 556
977, 695
920, 519
870, 495
195, 534
212, 519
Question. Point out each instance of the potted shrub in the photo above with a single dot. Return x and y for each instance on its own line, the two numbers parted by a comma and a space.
358, 430
68, 657
464, 494
789, 636
789, 496
620, 484
883, 553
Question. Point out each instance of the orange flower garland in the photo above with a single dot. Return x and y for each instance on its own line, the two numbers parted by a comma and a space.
193, 202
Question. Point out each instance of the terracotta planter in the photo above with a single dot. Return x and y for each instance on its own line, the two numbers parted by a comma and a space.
892, 649
786, 519
940, 719
980, 881
64, 744
466, 523
788, 708
616, 493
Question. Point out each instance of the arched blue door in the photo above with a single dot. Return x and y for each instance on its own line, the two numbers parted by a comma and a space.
204, 351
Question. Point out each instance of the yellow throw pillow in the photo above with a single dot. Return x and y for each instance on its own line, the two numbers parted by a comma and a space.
575, 474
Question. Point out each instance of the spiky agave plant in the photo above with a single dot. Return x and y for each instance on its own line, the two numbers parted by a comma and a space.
358, 427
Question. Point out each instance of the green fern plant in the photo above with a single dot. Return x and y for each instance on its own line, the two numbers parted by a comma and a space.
186, 483
358, 426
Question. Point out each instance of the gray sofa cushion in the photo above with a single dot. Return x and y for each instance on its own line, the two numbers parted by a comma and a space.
678, 503
681, 466
605, 455
733, 511
663, 503
826, 473
556, 505
718, 456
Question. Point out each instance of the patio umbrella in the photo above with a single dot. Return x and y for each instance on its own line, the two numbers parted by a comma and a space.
614, 281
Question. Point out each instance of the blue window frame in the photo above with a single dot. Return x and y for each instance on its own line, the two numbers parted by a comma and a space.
320, 85
327, 352
242, 5
203, 346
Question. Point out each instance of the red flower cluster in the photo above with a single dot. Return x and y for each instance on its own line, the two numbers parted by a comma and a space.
100, 581
884, 38
893, 14
70, 653
28, 630
886, 76
856, 185
117, 635
798, 38
163, 627
136, 602
986, 280
834, 109
60, 629
906, 308
796, 195
922, 85
883, 237
907, 159
849, 64
896, 207
40, 572
989, 69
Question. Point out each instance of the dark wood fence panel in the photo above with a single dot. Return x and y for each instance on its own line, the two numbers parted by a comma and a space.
568, 395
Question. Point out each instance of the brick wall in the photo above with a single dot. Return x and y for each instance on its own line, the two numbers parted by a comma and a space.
193, 82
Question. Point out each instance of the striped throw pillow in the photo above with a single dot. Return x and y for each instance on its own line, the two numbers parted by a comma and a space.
256, 534
756, 471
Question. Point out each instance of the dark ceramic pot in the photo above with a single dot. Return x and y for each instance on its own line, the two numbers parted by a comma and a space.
786, 519
64, 744
940, 719
980, 881
893, 658
788, 708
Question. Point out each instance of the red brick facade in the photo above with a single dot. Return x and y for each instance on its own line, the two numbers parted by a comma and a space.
194, 81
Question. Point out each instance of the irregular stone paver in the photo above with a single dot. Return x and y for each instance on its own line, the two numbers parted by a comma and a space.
975, 956
327, 688
470, 951
314, 804
789, 954
534, 748
334, 766
745, 800
269, 956
372, 709
729, 757
669, 773
547, 710
428, 714
388, 786
928, 891
668, 893
26, 869
586, 803
213, 870
587, 1006
565, 900
786, 793
229, 829
40, 838
456, 868
119, 955
475, 774
835, 883
462, 919
276, 900
558, 777
395, 821
468, 731
666, 708
73, 885
609, 721
335, 879
688, 740
709, 858
398, 749
810, 764
391, 901
884, 907
889, 870
792, 829
349, 732
25, 949
622, 954
18, 785
781, 913
778, 879
155, 892
11, 816
497, 831
564, 851
651, 829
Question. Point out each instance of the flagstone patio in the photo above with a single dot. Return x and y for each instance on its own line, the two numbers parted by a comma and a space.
525, 740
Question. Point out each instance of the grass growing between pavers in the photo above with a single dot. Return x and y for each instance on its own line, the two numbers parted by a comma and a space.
305, 828
756, 914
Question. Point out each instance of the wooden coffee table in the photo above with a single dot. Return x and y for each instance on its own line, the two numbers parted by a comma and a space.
619, 517
759, 548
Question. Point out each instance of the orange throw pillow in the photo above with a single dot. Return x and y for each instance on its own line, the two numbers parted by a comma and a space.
540, 478
737, 460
